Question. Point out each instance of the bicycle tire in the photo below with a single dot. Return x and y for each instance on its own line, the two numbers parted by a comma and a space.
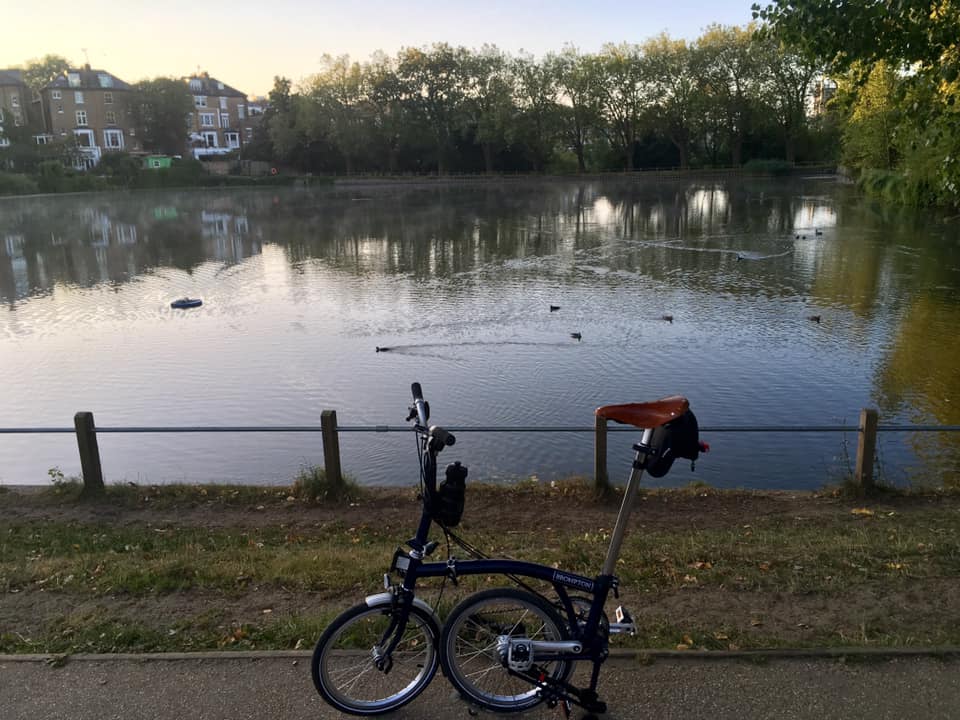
343, 667
468, 647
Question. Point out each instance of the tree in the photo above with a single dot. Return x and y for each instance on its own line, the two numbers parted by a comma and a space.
578, 82
787, 85
433, 85
731, 79
335, 107
671, 65
869, 133
899, 31
160, 108
536, 96
488, 99
920, 40
626, 94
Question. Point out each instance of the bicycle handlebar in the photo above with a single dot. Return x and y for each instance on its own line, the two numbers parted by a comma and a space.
419, 404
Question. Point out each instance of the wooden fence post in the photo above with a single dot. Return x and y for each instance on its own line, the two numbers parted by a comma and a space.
331, 446
601, 481
89, 453
866, 448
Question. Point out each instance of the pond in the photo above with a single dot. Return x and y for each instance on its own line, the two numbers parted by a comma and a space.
300, 287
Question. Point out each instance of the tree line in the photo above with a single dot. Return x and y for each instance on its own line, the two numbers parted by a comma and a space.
729, 97
897, 66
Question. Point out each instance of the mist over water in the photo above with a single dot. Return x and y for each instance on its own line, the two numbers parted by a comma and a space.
301, 287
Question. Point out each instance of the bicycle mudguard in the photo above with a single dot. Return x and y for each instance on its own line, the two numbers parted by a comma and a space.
386, 598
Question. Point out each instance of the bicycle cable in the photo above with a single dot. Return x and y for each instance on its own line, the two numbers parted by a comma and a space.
478, 553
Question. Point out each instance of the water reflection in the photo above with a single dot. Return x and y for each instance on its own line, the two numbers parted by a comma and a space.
100, 239
303, 285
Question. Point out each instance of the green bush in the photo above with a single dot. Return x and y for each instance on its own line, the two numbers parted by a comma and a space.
16, 184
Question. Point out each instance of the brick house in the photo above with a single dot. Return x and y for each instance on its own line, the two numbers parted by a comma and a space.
14, 100
93, 107
219, 115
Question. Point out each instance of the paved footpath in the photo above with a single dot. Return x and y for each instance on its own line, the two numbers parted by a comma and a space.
244, 687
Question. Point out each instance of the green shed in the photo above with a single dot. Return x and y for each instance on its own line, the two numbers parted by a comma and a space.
153, 162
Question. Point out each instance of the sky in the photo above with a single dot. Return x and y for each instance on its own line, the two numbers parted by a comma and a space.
245, 43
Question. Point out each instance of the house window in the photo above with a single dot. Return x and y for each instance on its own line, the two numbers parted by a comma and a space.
56, 95
224, 120
78, 97
108, 98
200, 100
113, 139
241, 112
206, 119
233, 139
15, 100
111, 117
81, 118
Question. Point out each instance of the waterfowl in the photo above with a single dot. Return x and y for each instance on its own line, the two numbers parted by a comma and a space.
554, 308
576, 336
185, 302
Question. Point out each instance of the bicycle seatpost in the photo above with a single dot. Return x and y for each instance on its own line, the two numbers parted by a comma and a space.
626, 507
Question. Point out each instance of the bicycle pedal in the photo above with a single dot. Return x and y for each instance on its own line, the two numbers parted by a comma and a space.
624, 623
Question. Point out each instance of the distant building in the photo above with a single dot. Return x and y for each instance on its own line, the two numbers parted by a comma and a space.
14, 99
824, 91
219, 116
94, 108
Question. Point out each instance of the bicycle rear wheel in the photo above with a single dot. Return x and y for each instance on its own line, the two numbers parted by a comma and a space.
468, 647
344, 668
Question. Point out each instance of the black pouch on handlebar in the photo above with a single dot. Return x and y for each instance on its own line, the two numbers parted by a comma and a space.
679, 438
446, 507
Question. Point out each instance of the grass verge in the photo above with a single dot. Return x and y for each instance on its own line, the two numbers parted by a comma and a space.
189, 568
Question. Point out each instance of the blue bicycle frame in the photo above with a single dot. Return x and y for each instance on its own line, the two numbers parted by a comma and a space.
591, 643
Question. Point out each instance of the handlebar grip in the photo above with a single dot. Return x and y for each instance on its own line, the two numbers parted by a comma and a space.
417, 391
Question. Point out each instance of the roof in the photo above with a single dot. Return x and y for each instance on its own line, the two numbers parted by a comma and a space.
206, 85
11, 77
87, 78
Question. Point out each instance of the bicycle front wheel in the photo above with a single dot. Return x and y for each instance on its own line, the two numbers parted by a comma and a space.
468, 647
345, 668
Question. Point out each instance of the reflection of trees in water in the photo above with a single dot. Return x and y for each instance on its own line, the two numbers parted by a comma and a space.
920, 373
